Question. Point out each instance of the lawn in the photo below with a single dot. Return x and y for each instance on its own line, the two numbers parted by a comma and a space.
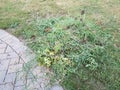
79, 40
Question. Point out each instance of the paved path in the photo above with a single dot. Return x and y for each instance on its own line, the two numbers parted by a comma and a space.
15, 74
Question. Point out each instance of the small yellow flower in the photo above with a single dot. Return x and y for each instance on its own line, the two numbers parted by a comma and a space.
52, 53
47, 62
47, 50
65, 59
39, 64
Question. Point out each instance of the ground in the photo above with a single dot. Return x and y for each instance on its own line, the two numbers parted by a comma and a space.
18, 18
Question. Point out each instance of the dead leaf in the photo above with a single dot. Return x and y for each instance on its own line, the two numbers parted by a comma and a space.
47, 30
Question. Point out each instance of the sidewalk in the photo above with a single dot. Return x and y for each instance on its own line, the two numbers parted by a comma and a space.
13, 56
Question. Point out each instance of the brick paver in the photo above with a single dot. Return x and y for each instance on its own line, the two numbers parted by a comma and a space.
16, 71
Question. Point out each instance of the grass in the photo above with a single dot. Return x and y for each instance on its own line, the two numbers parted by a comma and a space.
16, 13
36, 21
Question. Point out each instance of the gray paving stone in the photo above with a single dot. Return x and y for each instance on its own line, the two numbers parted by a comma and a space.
19, 83
7, 86
11, 40
7, 38
14, 61
15, 68
12, 55
56, 87
2, 50
10, 78
4, 65
4, 35
9, 49
3, 56
3, 45
2, 76
19, 88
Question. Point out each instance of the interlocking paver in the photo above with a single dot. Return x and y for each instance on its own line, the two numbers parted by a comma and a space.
10, 78
7, 86
14, 61
2, 50
2, 76
19, 88
19, 83
12, 55
4, 64
3, 45
9, 49
15, 74
3, 56
3, 35
15, 68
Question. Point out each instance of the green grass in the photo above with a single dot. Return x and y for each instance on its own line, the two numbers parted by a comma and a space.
89, 55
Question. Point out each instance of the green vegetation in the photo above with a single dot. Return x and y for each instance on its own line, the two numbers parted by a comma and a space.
81, 54
83, 51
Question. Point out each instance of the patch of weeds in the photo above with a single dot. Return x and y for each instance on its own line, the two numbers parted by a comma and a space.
77, 53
